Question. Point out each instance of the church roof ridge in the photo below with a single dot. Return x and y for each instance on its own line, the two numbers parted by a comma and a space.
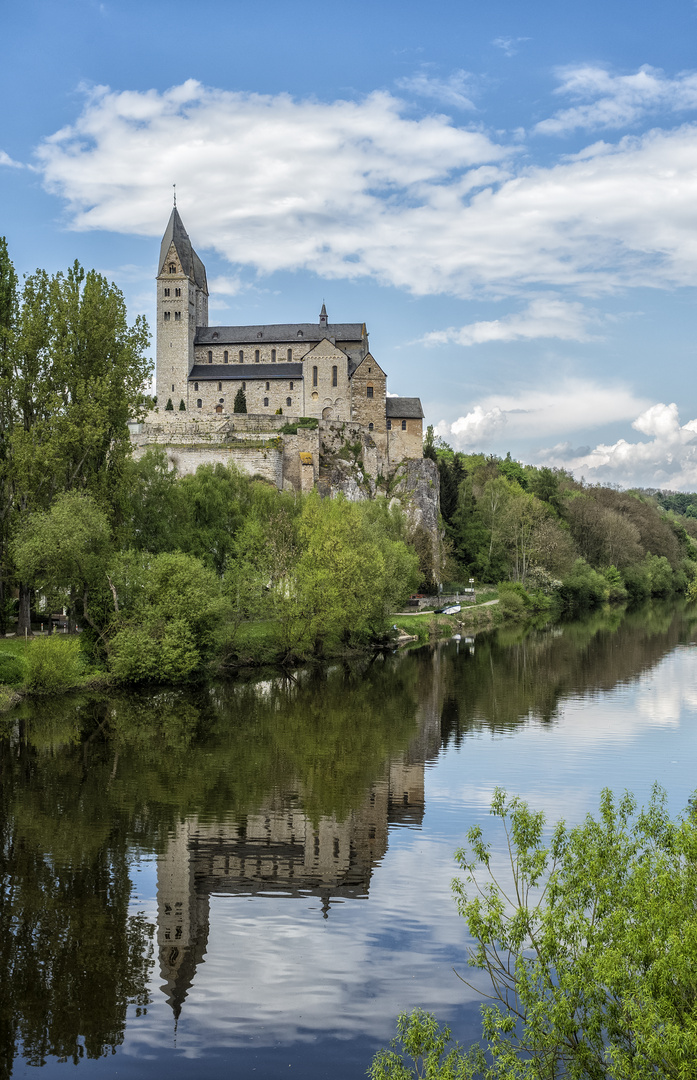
274, 332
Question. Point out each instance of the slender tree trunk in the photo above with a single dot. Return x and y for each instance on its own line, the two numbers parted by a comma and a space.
24, 616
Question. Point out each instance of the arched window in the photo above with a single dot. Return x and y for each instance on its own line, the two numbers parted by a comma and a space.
220, 387
368, 391
266, 401
167, 292
389, 425
210, 356
195, 386
335, 375
300, 333
199, 403
273, 356
290, 386
172, 268
370, 427
166, 315
241, 356
288, 401
225, 357
404, 425
268, 386
290, 354
314, 376
177, 292
177, 316
256, 356
244, 386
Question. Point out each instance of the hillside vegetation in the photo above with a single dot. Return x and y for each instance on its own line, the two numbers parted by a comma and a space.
557, 542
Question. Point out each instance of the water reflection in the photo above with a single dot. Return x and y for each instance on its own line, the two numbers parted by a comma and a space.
275, 851
271, 804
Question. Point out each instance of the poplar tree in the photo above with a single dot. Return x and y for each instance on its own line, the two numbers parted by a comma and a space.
72, 373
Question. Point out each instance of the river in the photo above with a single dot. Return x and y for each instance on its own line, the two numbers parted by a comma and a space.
254, 878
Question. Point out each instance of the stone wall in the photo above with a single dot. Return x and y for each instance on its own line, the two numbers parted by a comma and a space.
368, 391
327, 393
402, 444
263, 396
266, 462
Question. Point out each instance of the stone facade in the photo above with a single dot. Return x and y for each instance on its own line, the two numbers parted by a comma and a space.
321, 370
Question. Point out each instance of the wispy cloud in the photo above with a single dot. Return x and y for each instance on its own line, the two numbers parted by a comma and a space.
545, 317
455, 91
509, 45
5, 159
606, 100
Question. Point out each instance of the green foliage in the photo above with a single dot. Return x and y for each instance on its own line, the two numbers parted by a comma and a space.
419, 1050
54, 663
12, 669
309, 423
182, 406
589, 940
240, 403
169, 407
169, 610
64, 551
584, 588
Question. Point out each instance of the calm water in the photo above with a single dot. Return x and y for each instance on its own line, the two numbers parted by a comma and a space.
256, 879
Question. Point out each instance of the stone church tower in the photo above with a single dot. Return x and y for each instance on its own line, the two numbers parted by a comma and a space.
182, 305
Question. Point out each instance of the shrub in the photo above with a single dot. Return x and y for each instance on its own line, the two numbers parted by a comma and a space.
54, 663
583, 588
182, 406
12, 669
169, 407
513, 600
154, 653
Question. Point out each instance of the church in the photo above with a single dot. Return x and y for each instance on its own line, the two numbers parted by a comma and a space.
320, 370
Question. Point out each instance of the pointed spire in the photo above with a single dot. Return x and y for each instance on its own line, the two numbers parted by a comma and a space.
323, 315
176, 234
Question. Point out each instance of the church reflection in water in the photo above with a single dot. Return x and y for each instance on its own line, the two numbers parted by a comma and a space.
279, 851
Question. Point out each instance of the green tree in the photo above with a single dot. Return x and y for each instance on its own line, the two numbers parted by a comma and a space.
63, 552
589, 942
168, 611
240, 403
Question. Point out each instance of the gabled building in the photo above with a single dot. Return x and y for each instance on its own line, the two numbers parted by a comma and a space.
322, 370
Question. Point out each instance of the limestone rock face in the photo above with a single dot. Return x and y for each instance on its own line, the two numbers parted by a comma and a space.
417, 487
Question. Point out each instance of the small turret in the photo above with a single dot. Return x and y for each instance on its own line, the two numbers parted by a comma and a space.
323, 316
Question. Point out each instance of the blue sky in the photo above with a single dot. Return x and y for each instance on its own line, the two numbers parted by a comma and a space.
505, 193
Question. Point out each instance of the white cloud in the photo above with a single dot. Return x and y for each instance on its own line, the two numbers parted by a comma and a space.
5, 159
545, 317
356, 189
538, 412
668, 459
613, 101
456, 90
479, 426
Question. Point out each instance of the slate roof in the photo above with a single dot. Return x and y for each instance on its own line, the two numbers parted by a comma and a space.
191, 264
277, 332
238, 372
403, 408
